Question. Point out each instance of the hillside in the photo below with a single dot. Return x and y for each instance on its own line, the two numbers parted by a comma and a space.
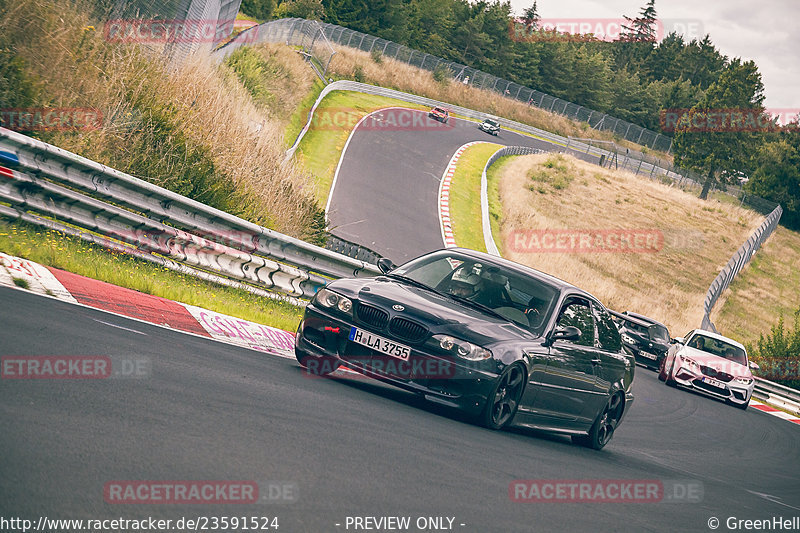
678, 243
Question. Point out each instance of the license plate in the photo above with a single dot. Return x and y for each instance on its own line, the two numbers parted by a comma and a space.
714, 383
379, 344
648, 355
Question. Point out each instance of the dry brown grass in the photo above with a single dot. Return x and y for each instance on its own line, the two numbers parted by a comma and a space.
668, 285
200, 109
404, 77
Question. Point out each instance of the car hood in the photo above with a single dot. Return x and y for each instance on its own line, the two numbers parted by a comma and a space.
441, 314
720, 364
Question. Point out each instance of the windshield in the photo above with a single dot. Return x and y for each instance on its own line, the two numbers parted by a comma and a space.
490, 122
518, 298
719, 348
659, 333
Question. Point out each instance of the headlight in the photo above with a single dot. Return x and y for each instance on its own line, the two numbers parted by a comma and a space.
743, 381
691, 363
627, 339
330, 300
463, 349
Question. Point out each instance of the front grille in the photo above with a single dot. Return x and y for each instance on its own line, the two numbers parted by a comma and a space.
710, 372
373, 316
408, 330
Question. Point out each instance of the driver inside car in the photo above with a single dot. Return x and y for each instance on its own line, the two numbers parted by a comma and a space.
464, 284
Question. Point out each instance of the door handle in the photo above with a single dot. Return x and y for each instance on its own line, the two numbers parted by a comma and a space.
596, 362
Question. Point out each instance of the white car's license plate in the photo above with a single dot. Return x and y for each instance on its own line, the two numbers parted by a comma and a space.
379, 344
648, 355
714, 383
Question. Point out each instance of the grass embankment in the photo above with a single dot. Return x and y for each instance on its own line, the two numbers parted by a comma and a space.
667, 281
211, 132
67, 253
465, 196
361, 66
767, 288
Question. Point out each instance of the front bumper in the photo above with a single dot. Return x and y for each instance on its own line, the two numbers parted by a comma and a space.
644, 358
439, 378
689, 377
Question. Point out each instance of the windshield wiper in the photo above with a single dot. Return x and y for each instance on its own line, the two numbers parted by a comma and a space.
412, 281
477, 305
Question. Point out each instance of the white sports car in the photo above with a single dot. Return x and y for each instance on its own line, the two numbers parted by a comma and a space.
712, 364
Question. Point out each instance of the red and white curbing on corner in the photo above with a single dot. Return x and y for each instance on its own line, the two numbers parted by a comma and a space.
754, 404
444, 196
80, 290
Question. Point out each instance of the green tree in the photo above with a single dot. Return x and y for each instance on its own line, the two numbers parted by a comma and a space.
304, 9
260, 9
777, 174
531, 18
703, 144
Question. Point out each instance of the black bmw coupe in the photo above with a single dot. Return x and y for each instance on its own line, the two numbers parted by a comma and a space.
500, 340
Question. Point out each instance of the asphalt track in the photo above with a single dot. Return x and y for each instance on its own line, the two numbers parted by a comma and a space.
210, 411
386, 191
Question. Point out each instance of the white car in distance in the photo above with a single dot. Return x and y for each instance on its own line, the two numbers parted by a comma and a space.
711, 364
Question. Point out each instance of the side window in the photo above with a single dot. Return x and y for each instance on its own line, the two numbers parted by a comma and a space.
607, 333
578, 313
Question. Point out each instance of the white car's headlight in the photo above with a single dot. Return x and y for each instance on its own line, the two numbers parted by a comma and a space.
691, 364
331, 300
743, 381
463, 349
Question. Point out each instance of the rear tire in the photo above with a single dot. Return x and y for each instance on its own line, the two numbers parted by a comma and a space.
502, 404
602, 430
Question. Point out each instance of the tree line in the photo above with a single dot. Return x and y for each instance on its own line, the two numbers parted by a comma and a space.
636, 77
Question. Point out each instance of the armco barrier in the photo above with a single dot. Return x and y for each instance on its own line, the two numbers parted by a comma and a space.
736, 263
59, 184
491, 246
777, 395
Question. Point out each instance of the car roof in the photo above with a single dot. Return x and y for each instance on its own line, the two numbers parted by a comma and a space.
524, 269
719, 337
644, 318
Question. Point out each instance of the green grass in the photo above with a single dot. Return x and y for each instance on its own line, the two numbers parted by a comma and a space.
71, 254
465, 196
321, 148
493, 191
300, 115
768, 287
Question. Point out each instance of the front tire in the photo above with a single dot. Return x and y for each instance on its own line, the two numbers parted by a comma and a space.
502, 404
604, 426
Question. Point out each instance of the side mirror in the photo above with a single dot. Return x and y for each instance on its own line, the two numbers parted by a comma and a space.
754, 366
677, 340
385, 265
569, 333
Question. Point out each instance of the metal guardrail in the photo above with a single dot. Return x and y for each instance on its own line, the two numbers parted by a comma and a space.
736, 263
777, 395
60, 185
488, 239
